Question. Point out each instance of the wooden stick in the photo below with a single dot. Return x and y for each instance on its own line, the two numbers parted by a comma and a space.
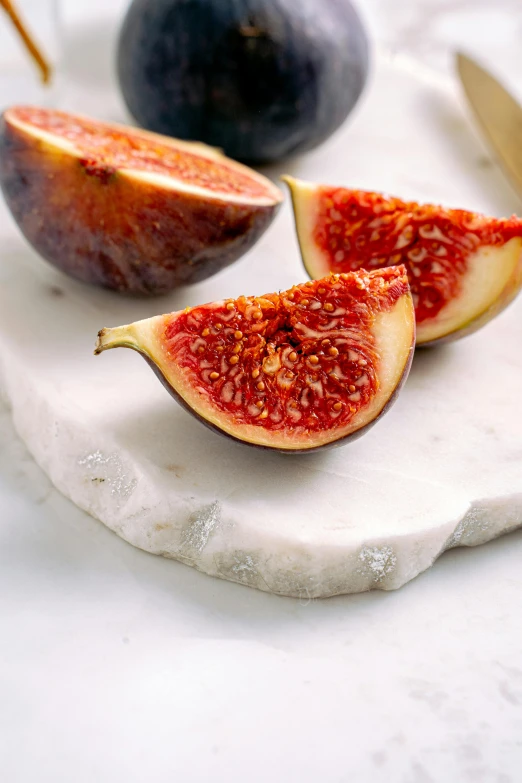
30, 44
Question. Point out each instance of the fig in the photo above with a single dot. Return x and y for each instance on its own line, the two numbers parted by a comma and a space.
464, 268
261, 79
293, 371
126, 209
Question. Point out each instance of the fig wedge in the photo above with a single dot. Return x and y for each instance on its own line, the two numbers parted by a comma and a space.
126, 209
295, 371
464, 268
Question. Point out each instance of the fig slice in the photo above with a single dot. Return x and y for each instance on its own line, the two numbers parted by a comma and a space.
124, 208
293, 371
464, 268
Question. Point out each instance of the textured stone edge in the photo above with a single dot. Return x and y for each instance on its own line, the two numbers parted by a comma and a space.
109, 485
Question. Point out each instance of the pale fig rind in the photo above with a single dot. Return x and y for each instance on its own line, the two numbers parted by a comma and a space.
491, 280
511, 284
393, 339
119, 228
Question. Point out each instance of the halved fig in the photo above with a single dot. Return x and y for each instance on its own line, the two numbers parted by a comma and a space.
293, 371
464, 268
124, 208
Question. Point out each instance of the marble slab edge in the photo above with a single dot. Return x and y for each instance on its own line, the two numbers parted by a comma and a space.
205, 537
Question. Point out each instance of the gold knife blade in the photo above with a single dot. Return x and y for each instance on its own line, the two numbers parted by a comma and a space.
498, 113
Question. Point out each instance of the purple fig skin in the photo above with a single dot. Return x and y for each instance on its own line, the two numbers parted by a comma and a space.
262, 79
350, 437
107, 228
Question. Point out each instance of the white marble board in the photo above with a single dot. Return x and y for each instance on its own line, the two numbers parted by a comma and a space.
441, 469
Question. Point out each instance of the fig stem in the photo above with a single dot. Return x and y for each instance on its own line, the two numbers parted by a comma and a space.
117, 337
29, 42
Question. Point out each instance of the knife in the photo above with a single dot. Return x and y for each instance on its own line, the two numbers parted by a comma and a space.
498, 114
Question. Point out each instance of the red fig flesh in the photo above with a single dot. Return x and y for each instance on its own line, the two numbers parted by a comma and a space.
124, 208
464, 268
293, 371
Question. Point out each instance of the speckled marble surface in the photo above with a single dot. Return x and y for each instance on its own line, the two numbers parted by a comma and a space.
115, 664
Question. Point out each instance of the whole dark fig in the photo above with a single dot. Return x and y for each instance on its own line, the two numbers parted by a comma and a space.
261, 79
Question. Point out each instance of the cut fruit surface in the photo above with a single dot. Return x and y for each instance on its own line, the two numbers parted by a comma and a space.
464, 268
293, 371
124, 208
116, 147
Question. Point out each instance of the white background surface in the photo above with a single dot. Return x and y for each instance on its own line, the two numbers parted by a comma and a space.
142, 669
